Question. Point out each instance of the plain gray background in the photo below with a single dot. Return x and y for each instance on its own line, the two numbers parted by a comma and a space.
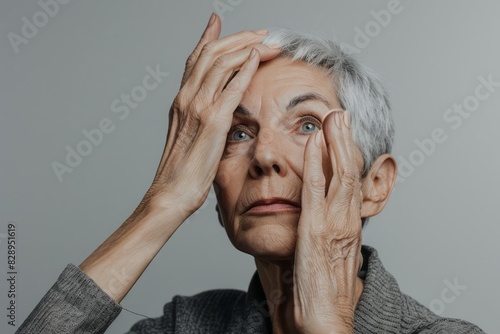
440, 224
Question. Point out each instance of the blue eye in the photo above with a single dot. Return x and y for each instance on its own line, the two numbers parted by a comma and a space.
308, 126
239, 135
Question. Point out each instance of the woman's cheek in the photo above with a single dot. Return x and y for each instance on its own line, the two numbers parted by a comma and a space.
229, 171
296, 148
235, 150
222, 179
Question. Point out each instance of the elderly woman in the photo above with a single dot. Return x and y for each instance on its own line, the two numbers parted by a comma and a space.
295, 137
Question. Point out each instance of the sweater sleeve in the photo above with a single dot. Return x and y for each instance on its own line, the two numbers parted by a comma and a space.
74, 304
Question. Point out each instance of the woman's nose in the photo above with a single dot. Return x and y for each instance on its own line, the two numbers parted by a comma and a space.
268, 155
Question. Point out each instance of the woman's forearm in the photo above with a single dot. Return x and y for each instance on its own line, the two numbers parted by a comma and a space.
119, 261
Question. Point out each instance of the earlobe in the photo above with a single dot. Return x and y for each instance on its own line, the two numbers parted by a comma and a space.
219, 215
378, 185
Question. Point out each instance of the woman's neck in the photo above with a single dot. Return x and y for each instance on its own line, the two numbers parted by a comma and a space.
277, 283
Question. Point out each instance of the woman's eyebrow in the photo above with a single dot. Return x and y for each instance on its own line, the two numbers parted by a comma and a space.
242, 111
307, 97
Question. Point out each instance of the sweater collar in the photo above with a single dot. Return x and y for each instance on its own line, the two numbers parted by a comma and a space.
378, 308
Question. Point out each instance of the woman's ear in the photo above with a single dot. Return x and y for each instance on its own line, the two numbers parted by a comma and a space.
378, 184
218, 214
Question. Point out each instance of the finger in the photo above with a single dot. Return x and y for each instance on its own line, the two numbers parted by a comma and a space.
225, 66
345, 132
344, 188
232, 95
220, 113
212, 50
211, 33
329, 127
342, 154
335, 148
352, 149
313, 188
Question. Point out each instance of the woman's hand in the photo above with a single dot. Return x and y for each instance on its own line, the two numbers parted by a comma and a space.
201, 116
328, 253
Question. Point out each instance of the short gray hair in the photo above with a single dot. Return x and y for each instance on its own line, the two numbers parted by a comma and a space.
359, 90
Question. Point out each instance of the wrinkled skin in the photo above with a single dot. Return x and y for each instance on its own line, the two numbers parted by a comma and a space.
272, 154
307, 256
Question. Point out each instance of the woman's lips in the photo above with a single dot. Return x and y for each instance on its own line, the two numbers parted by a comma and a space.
272, 208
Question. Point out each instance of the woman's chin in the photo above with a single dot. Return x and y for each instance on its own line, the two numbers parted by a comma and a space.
268, 242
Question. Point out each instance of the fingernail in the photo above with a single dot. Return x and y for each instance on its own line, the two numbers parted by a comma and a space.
261, 32
273, 46
317, 139
211, 20
347, 119
253, 53
337, 118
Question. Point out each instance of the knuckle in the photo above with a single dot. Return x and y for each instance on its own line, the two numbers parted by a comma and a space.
208, 48
205, 119
200, 104
345, 240
176, 105
190, 61
181, 101
220, 62
349, 177
234, 85
315, 182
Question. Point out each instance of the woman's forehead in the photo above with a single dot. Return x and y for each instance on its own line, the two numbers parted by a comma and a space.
284, 68
288, 84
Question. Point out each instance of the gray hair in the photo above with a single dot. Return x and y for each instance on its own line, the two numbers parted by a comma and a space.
359, 90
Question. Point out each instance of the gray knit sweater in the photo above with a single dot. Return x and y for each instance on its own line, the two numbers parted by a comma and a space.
75, 304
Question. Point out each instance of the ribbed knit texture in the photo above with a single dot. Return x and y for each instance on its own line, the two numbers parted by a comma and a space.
75, 304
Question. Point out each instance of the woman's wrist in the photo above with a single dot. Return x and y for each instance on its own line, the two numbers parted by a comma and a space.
120, 260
